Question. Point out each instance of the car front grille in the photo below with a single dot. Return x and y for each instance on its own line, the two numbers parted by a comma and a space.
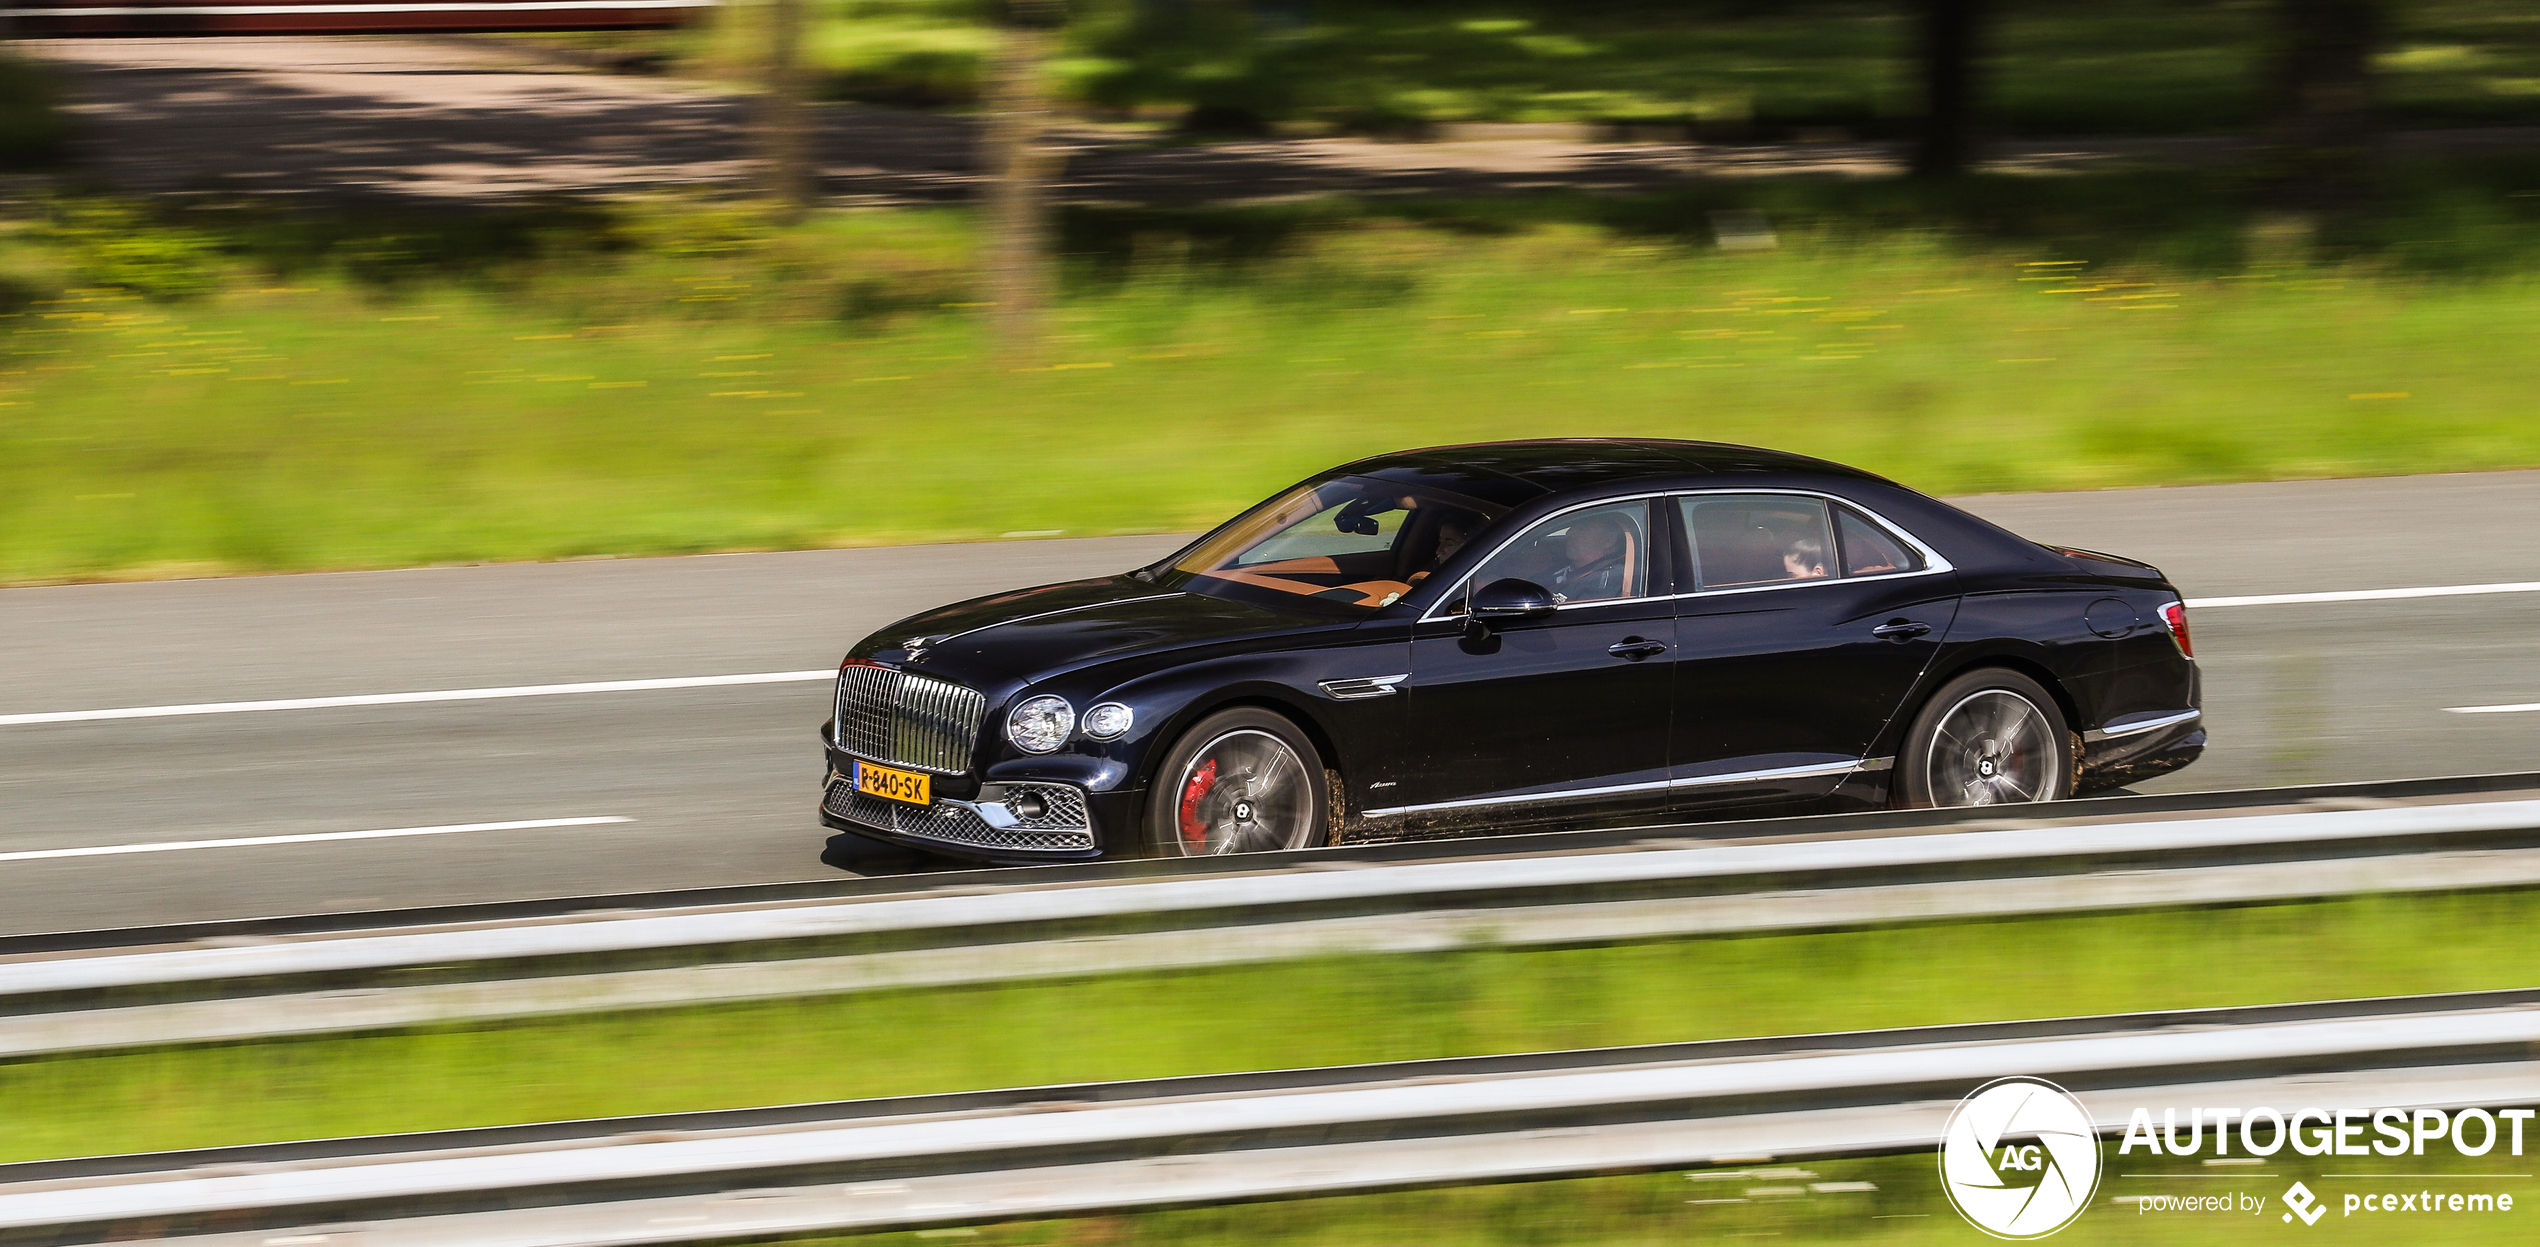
906, 719
954, 824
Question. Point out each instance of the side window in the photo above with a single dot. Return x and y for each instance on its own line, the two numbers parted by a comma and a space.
1757, 539
1594, 555
1869, 550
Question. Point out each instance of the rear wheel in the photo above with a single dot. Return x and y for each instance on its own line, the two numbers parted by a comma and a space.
1240, 781
1989, 737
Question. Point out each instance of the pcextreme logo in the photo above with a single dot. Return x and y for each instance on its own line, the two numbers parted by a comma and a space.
2303, 1204
2019, 1159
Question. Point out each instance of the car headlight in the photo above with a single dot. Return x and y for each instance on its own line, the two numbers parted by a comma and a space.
1108, 721
1040, 724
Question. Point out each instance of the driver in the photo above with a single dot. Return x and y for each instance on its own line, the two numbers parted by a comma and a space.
1594, 547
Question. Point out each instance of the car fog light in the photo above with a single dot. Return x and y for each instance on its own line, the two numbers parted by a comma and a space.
1028, 805
1040, 724
1108, 720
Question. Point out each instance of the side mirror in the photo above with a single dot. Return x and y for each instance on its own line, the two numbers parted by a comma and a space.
1510, 599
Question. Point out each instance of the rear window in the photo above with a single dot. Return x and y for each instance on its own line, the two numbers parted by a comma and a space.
1869, 550
1757, 539
1745, 540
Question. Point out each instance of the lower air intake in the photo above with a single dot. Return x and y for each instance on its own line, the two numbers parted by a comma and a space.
950, 823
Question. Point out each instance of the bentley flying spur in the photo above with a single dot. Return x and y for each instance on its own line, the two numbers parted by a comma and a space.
1542, 634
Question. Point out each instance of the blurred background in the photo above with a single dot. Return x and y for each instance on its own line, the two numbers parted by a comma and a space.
290, 302
330, 288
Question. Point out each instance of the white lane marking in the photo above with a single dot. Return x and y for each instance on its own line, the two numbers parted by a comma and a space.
785, 677
2367, 595
399, 699
2524, 708
173, 846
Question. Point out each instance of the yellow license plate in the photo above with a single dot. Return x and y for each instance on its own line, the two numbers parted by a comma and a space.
892, 784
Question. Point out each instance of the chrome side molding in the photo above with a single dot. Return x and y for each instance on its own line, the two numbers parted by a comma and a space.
1845, 767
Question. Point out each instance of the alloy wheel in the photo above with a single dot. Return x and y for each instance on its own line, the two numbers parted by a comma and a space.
1244, 792
1994, 748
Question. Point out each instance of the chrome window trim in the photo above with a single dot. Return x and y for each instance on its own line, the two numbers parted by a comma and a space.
2114, 732
1934, 564
1465, 584
1703, 781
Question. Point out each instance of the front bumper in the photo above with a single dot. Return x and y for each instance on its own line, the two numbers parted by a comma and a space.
968, 828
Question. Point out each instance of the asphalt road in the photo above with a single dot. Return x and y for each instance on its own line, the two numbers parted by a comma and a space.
718, 782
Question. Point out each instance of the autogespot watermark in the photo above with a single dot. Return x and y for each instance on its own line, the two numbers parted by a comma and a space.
2020, 1158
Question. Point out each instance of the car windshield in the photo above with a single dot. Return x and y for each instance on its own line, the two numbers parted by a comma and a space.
1352, 541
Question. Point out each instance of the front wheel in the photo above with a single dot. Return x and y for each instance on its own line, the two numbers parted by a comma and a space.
1240, 781
1989, 737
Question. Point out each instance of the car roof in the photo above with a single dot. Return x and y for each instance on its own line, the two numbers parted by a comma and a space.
1503, 471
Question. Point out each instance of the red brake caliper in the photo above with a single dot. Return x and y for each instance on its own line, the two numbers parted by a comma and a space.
1194, 791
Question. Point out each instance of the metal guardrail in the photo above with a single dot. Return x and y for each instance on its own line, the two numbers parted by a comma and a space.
1806, 827
1053, 1151
1052, 923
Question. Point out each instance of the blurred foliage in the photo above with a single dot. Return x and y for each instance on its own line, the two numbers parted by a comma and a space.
230, 385
2476, 217
1730, 69
34, 131
576, 258
1333, 1011
124, 246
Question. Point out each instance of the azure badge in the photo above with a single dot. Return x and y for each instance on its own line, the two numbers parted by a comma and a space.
2020, 1158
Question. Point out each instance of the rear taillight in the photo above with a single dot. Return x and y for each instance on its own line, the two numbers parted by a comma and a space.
2175, 615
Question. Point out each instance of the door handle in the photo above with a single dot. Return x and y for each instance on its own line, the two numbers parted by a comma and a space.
1635, 649
1899, 630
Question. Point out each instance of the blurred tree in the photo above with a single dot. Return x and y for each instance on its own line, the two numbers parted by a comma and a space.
2320, 144
784, 145
1947, 35
1209, 55
1018, 165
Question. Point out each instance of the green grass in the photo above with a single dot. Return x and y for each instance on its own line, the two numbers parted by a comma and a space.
1732, 66
333, 392
1333, 1012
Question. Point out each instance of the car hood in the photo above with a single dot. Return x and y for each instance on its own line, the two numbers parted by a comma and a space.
1030, 634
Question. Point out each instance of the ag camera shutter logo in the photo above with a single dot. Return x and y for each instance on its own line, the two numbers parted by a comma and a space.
2019, 1159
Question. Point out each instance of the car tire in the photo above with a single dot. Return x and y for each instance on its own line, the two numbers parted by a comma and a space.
1240, 781
1989, 737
